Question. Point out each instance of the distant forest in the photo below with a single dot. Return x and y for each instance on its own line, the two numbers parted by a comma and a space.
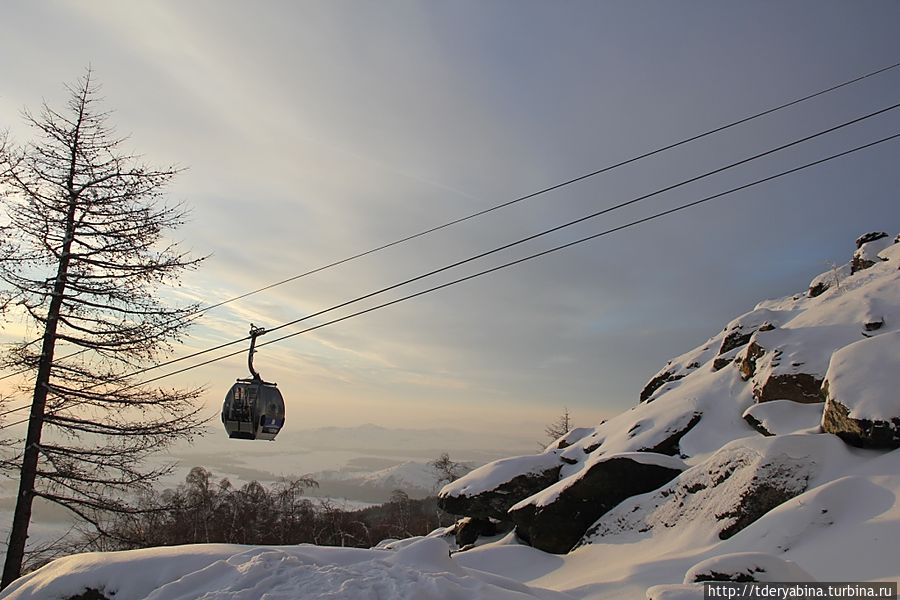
206, 510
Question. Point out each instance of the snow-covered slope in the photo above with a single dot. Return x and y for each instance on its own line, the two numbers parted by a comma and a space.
422, 571
771, 452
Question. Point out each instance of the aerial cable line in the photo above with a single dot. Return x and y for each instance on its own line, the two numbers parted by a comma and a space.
505, 246
517, 200
562, 184
511, 244
517, 261
498, 267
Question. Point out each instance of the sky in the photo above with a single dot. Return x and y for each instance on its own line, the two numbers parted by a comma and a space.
312, 131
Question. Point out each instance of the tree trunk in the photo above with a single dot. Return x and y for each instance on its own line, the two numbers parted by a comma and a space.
18, 535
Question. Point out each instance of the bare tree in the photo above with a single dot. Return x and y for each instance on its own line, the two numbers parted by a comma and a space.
447, 470
560, 427
85, 258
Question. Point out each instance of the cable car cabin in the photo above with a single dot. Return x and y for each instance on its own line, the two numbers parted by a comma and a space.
253, 410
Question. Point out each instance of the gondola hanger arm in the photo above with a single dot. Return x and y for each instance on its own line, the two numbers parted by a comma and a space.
255, 332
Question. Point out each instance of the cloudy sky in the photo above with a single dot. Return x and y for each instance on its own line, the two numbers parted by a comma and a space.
315, 130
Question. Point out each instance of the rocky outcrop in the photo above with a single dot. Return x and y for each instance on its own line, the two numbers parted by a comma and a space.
756, 424
862, 389
720, 363
735, 339
468, 529
670, 445
556, 519
862, 432
611, 479
775, 384
869, 237
490, 491
797, 387
867, 248
740, 331
657, 382
727, 492
748, 358
570, 438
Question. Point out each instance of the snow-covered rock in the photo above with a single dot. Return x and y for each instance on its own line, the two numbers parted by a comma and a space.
730, 490
740, 330
468, 530
780, 417
863, 392
867, 248
554, 519
746, 566
829, 279
569, 438
490, 491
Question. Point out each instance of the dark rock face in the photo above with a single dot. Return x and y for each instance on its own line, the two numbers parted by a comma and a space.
748, 361
496, 502
738, 337
798, 387
869, 237
818, 289
718, 576
735, 339
469, 529
874, 325
860, 259
657, 382
757, 425
558, 526
757, 501
721, 363
89, 594
670, 445
754, 482
863, 433
860, 264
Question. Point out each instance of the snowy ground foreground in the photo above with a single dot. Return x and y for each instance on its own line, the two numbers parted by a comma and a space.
421, 571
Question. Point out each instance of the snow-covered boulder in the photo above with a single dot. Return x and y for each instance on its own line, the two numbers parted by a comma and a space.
659, 380
862, 387
740, 330
556, 518
760, 567
867, 248
727, 492
780, 417
569, 438
490, 491
829, 279
790, 363
746, 566
468, 530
